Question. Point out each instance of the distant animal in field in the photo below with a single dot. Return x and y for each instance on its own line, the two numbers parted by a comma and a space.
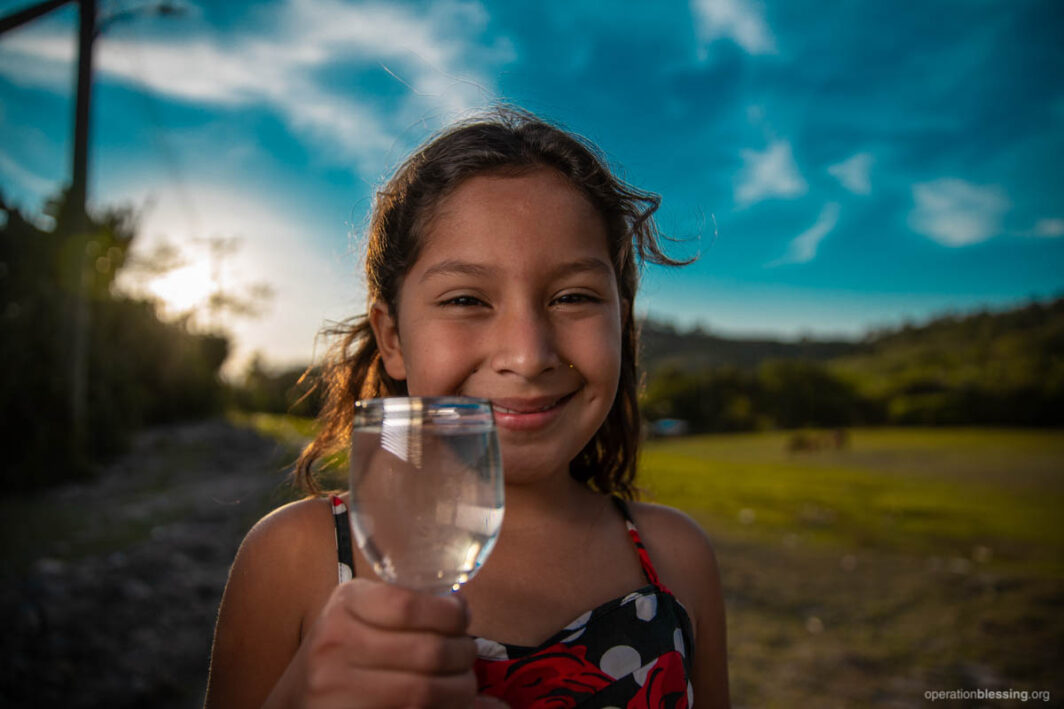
811, 441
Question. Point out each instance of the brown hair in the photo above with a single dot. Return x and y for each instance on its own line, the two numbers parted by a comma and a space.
508, 141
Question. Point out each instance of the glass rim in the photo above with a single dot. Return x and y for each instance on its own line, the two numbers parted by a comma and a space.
400, 402
423, 410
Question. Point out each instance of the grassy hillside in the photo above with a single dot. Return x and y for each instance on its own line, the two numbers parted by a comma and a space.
980, 368
663, 346
1004, 368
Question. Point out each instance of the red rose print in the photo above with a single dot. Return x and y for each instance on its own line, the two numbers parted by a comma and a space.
558, 676
665, 686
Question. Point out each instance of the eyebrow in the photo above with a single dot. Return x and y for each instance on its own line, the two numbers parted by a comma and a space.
453, 267
584, 265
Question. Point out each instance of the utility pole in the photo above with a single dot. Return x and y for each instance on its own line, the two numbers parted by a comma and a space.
75, 217
80, 171
76, 198
77, 211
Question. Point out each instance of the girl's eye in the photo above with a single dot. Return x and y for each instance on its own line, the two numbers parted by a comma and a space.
462, 301
576, 299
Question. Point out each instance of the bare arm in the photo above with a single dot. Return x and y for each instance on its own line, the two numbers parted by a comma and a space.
260, 619
288, 636
711, 654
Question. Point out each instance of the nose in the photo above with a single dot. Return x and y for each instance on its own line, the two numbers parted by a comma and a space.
524, 343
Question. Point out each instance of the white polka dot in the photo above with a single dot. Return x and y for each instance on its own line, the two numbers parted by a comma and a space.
574, 636
677, 642
630, 597
646, 607
490, 650
344, 572
640, 675
579, 622
690, 695
620, 661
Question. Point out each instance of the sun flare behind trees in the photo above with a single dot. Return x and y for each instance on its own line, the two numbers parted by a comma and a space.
140, 369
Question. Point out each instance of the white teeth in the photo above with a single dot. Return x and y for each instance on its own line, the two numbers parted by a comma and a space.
504, 410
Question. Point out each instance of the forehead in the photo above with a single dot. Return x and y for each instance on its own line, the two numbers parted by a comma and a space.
535, 215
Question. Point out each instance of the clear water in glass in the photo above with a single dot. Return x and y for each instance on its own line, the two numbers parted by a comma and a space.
426, 488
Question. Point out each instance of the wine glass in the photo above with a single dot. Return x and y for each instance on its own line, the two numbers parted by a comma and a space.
426, 488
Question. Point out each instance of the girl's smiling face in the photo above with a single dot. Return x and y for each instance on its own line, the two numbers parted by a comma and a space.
513, 298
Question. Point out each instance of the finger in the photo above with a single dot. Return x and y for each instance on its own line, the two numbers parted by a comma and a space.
483, 701
416, 651
395, 608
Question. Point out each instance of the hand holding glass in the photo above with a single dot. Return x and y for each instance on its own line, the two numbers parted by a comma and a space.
426, 488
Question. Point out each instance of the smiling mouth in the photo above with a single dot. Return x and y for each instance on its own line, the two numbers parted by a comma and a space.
516, 407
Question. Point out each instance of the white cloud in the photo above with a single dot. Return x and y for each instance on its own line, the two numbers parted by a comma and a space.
312, 284
23, 177
742, 21
30, 59
437, 52
1049, 227
803, 247
772, 173
954, 212
853, 173
1046, 228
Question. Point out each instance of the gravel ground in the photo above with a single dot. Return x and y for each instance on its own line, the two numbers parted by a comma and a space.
109, 590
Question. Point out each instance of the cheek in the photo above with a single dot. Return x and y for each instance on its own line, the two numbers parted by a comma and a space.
438, 360
599, 352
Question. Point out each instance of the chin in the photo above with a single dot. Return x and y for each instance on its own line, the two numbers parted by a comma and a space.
529, 469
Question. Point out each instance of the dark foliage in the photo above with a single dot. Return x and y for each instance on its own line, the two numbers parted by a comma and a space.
136, 368
1003, 368
289, 391
664, 346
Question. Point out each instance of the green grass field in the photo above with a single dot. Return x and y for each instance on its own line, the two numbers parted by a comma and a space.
909, 560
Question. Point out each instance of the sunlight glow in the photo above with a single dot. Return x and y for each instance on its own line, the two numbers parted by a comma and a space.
185, 288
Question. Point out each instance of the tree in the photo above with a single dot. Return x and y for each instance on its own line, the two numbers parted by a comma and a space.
138, 368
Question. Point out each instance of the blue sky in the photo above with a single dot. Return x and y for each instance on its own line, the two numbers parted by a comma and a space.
837, 165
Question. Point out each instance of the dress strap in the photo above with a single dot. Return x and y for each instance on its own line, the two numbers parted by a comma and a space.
640, 548
344, 550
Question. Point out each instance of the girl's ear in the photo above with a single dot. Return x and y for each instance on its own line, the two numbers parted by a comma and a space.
386, 332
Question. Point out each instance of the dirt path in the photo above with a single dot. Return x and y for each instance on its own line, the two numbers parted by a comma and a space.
110, 589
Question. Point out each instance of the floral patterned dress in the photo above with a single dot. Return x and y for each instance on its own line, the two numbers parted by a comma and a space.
632, 651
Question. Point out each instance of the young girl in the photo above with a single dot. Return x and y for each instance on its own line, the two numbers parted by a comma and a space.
501, 264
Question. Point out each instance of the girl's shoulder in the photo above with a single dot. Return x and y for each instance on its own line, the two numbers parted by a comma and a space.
287, 552
293, 533
283, 573
661, 524
686, 563
300, 520
681, 552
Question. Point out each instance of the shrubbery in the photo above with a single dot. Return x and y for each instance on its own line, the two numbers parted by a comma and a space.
778, 394
288, 391
136, 368
984, 369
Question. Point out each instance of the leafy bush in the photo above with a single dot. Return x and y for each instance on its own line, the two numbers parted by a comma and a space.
989, 369
288, 391
61, 323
